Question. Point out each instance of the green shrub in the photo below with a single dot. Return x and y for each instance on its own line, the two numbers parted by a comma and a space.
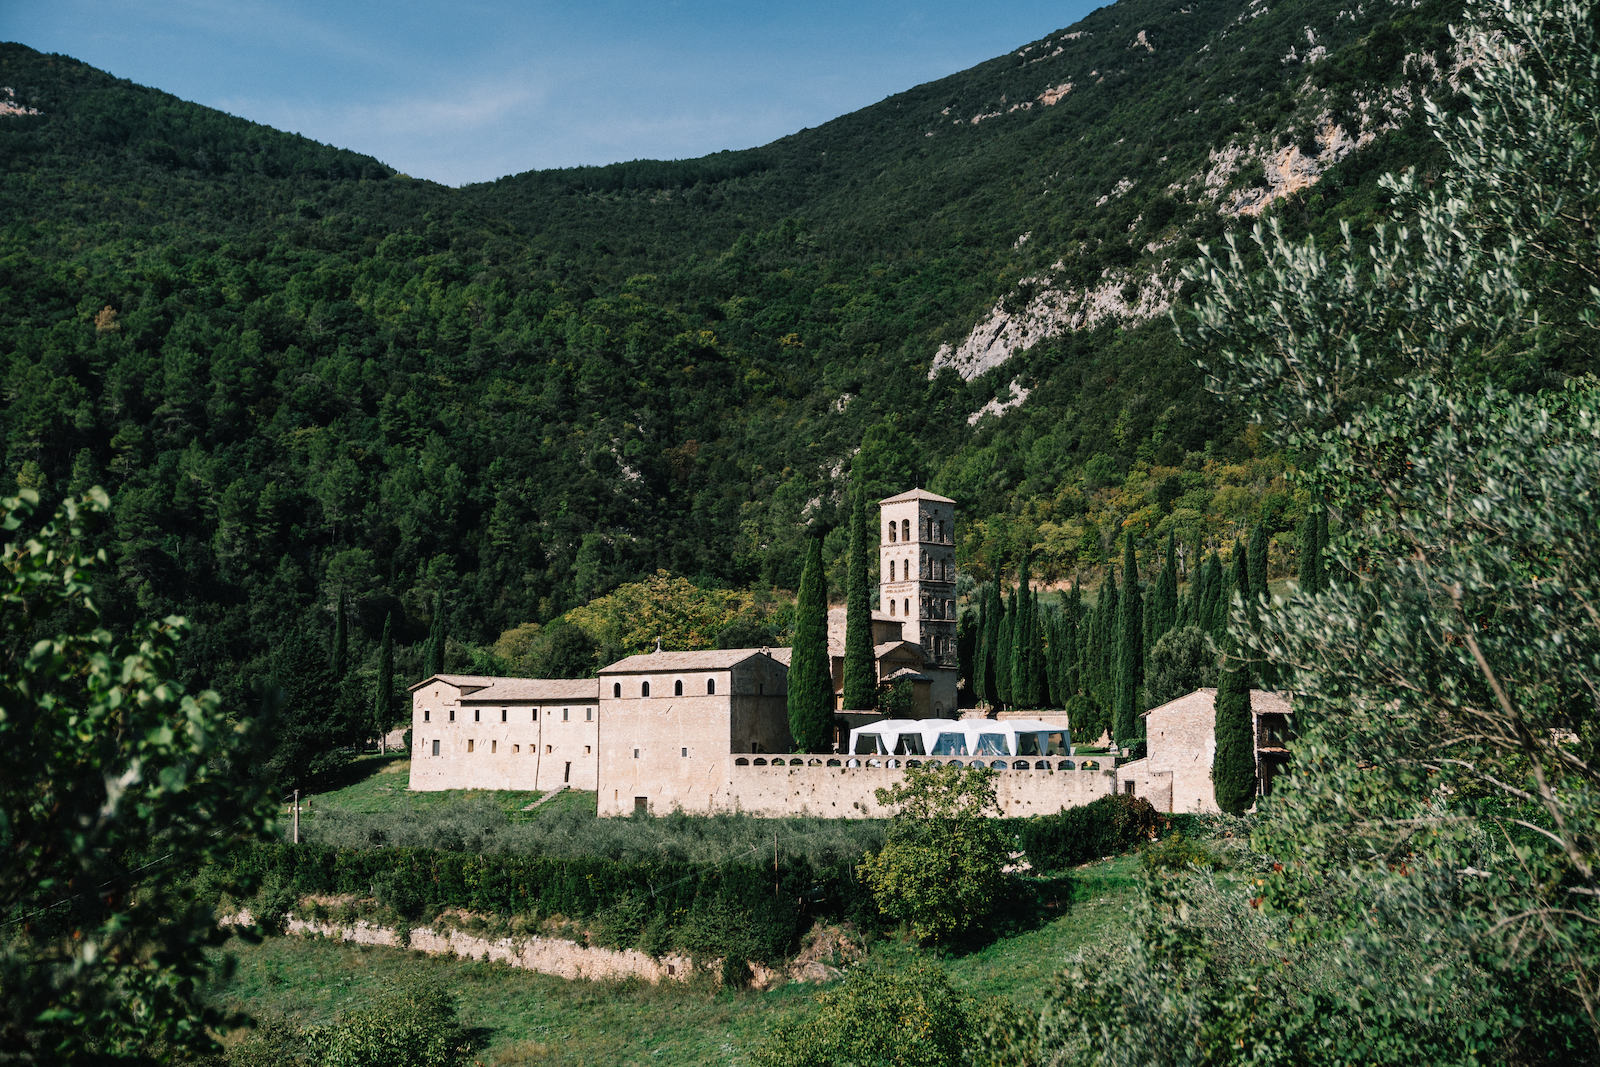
1111, 825
1175, 852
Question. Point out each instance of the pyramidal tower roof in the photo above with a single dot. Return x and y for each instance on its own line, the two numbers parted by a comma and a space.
916, 494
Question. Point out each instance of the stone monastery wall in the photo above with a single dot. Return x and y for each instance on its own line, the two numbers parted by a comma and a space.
830, 787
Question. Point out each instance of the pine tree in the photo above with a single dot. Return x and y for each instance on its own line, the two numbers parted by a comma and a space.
1130, 648
860, 682
383, 698
810, 680
1233, 767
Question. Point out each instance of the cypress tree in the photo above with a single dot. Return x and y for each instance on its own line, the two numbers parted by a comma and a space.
383, 698
1312, 534
1055, 688
1072, 645
991, 641
1233, 767
810, 681
1105, 640
1258, 560
1003, 675
1163, 610
1130, 648
339, 654
860, 681
433, 647
1213, 597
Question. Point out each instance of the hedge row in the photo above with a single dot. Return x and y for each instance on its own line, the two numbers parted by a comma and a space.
751, 911
1111, 825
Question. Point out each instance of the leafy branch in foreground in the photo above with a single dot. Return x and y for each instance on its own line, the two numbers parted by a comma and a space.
1426, 884
114, 783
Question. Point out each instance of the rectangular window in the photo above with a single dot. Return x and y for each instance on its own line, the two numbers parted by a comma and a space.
641, 805
587, 750
683, 752
635, 753
477, 714
588, 714
494, 746
547, 749
425, 714
566, 775
566, 714
436, 748
469, 745
452, 714
535, 714
515, 749
502, 714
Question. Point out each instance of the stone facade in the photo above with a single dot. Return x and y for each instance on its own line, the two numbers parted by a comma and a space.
472, 732
917, 584
669, 721
1181, 734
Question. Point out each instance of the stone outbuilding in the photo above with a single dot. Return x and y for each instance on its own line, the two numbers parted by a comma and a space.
1175, 774
474, 732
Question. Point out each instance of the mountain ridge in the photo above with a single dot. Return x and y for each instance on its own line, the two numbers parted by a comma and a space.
300, 371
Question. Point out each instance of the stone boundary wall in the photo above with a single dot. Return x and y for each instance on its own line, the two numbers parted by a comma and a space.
845, 786
547, 955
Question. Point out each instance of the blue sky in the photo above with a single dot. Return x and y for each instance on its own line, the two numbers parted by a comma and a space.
471, 90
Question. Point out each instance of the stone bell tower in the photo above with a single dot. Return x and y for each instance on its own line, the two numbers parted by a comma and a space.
917, 576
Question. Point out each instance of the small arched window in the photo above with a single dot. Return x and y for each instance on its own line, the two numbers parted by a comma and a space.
644, 689
711, 687
677, 688
938, 530
892, 533
905, 529
616, 690
908, 607
891, 570
891, 609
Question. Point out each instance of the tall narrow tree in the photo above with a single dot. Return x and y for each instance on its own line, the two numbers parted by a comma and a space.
1130, 647
992, 618
433, 647
1162, 612
1258, 560
1003, 672
1233, 765
339, 654
860, 679
1312, 535
810, 681
383, 698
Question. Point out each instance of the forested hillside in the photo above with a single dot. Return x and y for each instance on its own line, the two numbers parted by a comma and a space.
302, 374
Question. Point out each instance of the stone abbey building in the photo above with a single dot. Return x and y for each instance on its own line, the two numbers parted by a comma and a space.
708, 731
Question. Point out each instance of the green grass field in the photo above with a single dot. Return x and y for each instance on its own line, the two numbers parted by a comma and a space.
522, 1017
517, 1016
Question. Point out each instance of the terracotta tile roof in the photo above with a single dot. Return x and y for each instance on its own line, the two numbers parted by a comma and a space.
916, 494
1262, 701
460, 681
710, 659
509, 689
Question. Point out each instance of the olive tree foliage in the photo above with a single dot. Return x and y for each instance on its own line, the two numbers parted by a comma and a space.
911, 1017
941, 866
114, 785
1428, 887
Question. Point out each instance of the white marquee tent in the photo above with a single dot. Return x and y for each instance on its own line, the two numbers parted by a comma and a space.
961, 737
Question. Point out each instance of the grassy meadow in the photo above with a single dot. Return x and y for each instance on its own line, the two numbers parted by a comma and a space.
517, 1016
